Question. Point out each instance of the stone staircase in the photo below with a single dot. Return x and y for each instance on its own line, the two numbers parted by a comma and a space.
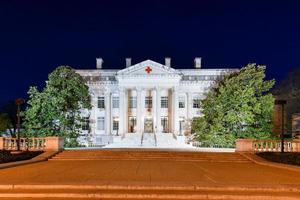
148, 193
147, 140
149, 154
130, 190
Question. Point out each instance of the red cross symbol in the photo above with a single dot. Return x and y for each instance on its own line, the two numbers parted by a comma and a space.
148, 70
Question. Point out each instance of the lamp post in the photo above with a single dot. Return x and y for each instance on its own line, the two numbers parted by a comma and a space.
19, 102
282, 103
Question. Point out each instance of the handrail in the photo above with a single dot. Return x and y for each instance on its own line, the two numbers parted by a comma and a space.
142, 138
155, 139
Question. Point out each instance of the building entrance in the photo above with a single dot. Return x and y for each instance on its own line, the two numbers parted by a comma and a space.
148, 125
132, 124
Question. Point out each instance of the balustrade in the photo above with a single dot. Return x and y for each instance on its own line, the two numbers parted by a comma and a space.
271, 146
32, 144
250, 145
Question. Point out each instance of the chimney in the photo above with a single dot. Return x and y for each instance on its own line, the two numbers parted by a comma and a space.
99, 62
128, 62
197, 62
168, 62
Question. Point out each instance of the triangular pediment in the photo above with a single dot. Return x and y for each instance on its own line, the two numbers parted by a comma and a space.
148, 67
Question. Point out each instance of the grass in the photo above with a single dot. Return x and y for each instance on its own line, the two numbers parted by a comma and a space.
286, 158
7, 156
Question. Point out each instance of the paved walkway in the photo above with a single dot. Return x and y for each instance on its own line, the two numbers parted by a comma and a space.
148, 172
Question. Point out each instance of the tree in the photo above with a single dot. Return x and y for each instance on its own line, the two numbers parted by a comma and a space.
238, 106
55, 111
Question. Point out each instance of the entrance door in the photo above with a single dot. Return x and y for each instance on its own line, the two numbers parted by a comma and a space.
164, 124
148, 125
132, 124
181, 126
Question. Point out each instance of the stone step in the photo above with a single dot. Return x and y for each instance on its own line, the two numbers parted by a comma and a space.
148, 155
153, 194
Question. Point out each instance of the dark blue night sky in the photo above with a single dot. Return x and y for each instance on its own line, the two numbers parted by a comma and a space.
37, 36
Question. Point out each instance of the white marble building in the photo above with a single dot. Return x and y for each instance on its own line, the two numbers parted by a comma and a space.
144, 97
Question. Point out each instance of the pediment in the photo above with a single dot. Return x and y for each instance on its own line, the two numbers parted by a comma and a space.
148, 67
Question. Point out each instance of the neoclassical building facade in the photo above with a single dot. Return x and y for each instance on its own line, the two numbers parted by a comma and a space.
145, 97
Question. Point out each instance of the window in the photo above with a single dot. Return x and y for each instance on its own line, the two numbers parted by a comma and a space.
148, 102
115, 102
100, 123
85, 123
196, 102
164, 102
101, 102
132, 102
115, 124
181, 102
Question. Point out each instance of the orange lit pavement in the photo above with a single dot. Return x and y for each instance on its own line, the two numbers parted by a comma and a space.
185, 172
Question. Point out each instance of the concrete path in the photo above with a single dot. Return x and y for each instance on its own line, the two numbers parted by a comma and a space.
136, 174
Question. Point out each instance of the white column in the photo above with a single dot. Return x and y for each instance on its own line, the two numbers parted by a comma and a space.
153, 110
107, 112
189, 105
158, 112
175, 110
125, 113
139, 109
142, 109
121, 111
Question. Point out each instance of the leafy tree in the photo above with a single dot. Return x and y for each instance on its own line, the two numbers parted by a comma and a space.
238, 106
55, 111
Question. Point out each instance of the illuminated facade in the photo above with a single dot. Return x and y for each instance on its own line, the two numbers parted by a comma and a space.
144, 97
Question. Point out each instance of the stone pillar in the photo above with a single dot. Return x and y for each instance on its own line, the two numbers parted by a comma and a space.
296, 145
189, 105
107, 113
244, 145
175, 111
2, 143
54, 143
158, 112
142, 109
138, 110
153, 110
121, 110
125, 113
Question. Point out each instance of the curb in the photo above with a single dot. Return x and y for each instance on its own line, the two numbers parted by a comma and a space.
231, 188
42, 157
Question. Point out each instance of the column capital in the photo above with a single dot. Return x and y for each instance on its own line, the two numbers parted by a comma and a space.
138, 88
175, 89
121, 89
107, 91
157, 88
